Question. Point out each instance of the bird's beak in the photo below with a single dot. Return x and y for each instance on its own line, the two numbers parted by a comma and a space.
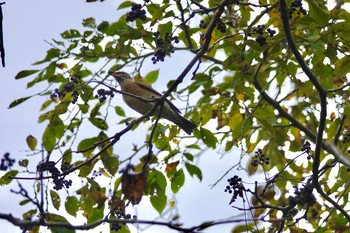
116, 75
113, 73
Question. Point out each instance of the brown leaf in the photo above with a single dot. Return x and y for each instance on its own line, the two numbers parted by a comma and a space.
222, 119
171, 166
133, 186
116, 203
332, 116
98, 197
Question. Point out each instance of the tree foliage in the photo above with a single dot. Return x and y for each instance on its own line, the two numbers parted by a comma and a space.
269, 78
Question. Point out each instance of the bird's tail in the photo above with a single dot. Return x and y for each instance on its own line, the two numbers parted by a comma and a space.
186, 125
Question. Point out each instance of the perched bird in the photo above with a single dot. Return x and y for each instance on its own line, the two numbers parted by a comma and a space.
147, 99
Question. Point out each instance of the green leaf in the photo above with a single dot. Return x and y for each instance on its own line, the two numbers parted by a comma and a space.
69, 34
18, 101
51, 53
57, 125
161, 180
86, 144
208, 137
56, 200
24, 202
152, 76
157, 12
45, 105
188, 156
89, 22
49, 139
72, 205
84, 108
125, 4
29, 213
194, 170
6, 179
96, 110
177, 181
120, 111
111, 163
102, 27
319, 13
85, 170
229, 144
116, 28
31, 142
58, 218
46, 116
159, 202
99, 123
96, 214
25, 73
165, 28
23, 162
342, 66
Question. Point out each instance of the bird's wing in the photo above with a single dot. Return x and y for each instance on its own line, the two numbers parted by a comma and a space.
159, 95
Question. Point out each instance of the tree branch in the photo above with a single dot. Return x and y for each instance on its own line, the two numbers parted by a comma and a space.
2, 49
326, 145
323, 103
25, 224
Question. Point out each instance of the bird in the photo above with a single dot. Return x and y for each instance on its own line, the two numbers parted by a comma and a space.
142, 98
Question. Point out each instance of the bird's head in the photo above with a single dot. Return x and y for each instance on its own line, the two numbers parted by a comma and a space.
120, 76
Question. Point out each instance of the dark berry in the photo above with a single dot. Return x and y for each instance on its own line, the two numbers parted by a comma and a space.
68, 87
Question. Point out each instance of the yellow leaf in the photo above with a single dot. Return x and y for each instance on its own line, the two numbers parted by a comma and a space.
235, 120
239, 95
172, 203
251, 169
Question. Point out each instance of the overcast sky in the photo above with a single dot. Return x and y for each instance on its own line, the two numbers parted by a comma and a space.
27, 24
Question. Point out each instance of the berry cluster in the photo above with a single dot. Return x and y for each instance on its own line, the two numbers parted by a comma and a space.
296, 6
117, 226
290, 213
67, 88
102, 94
302, 196
117, 207
221, 26
59, 182
259, 158
95, 174
261, 38
136, 13
306, 147
236, 187
271, 32
164, 46
346, 137
6, 162
203, 24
